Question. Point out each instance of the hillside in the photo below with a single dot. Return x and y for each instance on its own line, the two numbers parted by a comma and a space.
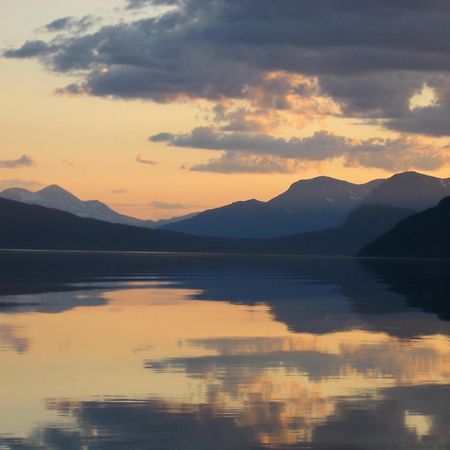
308, 205
423, 235
362, 226
24, 226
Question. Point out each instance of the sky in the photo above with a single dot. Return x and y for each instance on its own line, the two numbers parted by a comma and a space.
165, 107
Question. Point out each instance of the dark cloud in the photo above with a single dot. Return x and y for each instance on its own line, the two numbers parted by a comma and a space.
70, 24
368, 56
320, 146
263, 153
137, 4
168, 206
30, 49
142, 160
59, 24
23, 161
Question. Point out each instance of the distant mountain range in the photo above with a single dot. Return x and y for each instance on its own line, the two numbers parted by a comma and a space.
308, 205
423, 235
24, 226
312, 205
58, 198
345, 217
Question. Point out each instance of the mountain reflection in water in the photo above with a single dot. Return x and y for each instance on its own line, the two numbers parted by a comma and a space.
141, 351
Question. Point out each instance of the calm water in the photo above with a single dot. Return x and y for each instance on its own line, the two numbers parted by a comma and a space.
104, 351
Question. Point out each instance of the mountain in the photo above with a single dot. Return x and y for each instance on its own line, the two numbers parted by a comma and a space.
324, 193
308, 205
410, 190
58, 198
161, 222
423, 235
312, 205
247, 219
25, 226
363, 225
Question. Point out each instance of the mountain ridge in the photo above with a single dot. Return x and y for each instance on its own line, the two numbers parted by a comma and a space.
422, 235
54, 196
314, 204
309, 205
33, 227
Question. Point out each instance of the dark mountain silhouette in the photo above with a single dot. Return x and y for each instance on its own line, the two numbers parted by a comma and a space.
363, 225
24, 226
308, 205
248, 219
324, 193
410, 190
313, 205
423, 235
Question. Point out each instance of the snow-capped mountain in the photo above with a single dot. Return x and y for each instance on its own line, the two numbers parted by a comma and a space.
322, 193
308, 205
58, 198
314, 204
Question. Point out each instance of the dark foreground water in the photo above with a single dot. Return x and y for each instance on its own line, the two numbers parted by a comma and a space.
107, 351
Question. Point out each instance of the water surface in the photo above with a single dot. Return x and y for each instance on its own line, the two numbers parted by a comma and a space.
140, 351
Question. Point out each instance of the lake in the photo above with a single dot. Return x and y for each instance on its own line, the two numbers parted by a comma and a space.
171, 351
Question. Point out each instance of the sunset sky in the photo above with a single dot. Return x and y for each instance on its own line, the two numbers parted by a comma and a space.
164, 107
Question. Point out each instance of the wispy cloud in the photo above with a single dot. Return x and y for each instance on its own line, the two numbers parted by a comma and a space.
23, 161
119, 191
168, 206
140, 159
71, 24
19, 183
137, 4
231, 162
263, 153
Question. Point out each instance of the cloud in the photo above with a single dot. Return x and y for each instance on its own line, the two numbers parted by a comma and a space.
239, 163
119, 191
168, 206
18, 183
320, 146
70, 24
30, 49
367, 62
395, 155
68, 163
263, 153
137, 4
23, 161
141, 160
